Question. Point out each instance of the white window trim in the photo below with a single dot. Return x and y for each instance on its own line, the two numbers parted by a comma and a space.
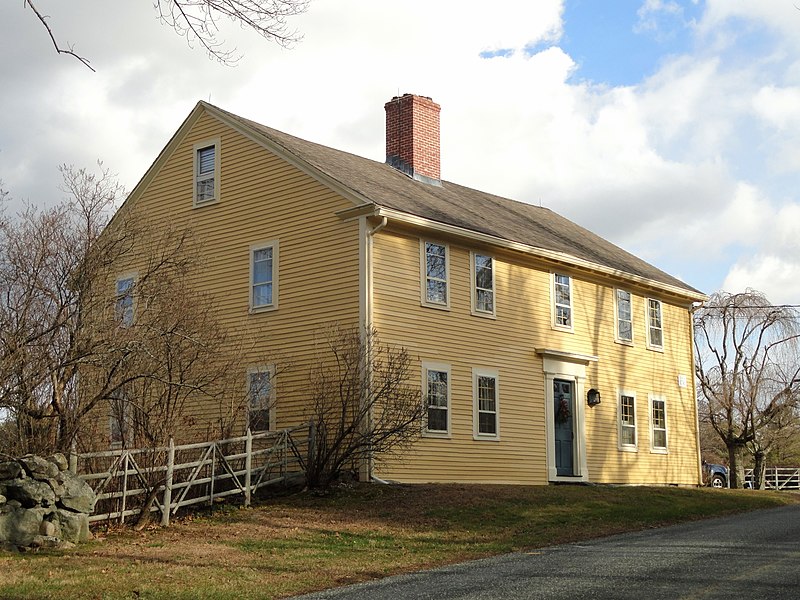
275, 270
424, 274
553, 312
216, 143
476, 434
620, 445
474, 286
124, 276
653, 448
650, 344
444, 367
617, 338
272, 392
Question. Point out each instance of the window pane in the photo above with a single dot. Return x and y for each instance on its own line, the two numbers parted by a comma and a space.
485, 301
625, 330
437, 419
629, 436
660, 438
437, 291
262, 294
205, 160
262, 270
436, 267
437, 400
487, 423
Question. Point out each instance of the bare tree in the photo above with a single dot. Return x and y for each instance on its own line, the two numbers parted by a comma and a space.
361, 403
151, 346
748, 371
198, 21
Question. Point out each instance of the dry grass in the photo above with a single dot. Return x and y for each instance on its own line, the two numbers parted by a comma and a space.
290, 545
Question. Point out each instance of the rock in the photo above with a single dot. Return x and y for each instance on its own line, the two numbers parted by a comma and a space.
78, 496
22, 525
30, 492
60, 461
45, 541
48, 529
38, 467
10, 470
8, 547
3, 499
74, 526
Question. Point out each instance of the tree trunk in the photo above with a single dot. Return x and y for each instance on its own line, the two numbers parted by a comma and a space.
759, 470
736, 464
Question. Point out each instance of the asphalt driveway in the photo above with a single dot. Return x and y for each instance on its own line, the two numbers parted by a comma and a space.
754, 555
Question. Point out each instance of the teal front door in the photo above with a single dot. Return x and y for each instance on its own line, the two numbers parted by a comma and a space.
563, 398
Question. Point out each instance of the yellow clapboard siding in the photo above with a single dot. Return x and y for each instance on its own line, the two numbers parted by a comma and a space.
508, 343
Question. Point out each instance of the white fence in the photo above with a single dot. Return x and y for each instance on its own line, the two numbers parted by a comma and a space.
778, 478
128, 481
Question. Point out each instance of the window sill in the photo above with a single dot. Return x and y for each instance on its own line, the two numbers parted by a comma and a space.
628, 343
478, 437
659, 451
628, 449
563, 328
444, 307
437, 435
656, 348
483, 315
204, 203
262, 309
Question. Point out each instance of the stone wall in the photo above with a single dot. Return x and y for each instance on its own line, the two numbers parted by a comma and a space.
42, 504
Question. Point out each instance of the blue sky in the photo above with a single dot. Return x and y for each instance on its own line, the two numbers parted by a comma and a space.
669, 127
622, 42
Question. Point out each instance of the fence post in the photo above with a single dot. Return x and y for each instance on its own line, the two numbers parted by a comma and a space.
124, 487
248, 466
73, 459
213, 473
166, 502
776, 479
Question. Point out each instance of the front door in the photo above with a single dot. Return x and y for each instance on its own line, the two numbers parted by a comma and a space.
564, 410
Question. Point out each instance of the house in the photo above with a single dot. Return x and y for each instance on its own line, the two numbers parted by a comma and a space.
545, 353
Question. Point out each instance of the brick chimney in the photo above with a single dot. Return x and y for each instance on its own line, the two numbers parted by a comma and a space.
412, 137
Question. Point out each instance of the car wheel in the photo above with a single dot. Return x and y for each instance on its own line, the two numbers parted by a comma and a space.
718, 481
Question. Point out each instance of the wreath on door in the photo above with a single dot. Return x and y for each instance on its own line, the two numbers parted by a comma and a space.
563, 414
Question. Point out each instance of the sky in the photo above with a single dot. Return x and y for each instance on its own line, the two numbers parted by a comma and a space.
670, 127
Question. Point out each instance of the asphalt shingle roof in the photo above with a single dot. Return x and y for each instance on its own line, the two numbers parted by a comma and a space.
460, 206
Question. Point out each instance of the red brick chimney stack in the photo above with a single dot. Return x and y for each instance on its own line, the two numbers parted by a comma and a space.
412, 137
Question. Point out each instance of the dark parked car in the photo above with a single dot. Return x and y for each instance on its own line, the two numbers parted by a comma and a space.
715, 475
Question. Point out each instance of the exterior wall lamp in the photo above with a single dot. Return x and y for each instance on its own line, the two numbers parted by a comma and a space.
593, 397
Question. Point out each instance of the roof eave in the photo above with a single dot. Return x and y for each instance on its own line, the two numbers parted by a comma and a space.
543, 253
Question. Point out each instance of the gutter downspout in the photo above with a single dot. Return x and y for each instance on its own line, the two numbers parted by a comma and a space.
694, 397
366, 234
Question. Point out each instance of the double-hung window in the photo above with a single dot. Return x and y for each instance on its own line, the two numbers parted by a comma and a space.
264, 276
658, 424
624, 316
437, 398
482, 284
627, 421
485, 404
260, 399
206, 172
124, 300
655, 326
562, 302
435, 264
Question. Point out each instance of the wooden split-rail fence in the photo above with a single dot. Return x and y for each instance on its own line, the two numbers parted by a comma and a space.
166, 479
778, 478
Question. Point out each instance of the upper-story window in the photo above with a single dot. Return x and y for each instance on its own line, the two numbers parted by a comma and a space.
125, 300
263, 276
562, 301
437, 398
624, 316
655, 326
482, 284
435, 266
206, 172
261, 399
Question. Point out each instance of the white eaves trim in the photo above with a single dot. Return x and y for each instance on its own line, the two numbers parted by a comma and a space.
551, 255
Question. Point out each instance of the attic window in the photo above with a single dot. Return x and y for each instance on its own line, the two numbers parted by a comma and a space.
206, 172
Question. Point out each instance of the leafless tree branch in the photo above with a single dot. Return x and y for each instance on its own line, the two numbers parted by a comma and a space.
70, 50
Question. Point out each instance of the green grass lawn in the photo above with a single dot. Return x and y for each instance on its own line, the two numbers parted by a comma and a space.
299, 543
